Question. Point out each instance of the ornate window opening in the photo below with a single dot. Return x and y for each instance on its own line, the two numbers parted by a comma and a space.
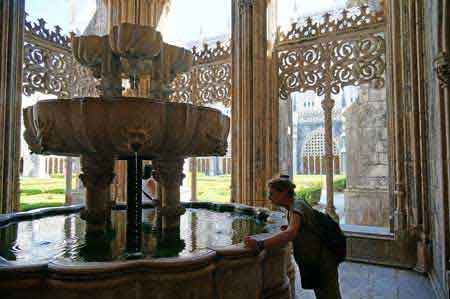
328, 54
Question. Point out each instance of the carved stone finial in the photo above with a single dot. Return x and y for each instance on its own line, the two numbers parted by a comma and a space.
442, 67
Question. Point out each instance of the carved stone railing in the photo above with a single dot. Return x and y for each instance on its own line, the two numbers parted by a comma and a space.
209, 80
40, 34
49, 66
221, 51
339, 22
328, 66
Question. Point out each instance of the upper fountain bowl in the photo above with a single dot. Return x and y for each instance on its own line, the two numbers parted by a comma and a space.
135, 41
123, 126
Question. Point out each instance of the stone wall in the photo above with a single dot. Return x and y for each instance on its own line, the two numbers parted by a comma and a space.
436, 184
366, 143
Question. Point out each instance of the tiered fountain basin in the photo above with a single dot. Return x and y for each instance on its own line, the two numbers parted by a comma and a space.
120, 126
212, 264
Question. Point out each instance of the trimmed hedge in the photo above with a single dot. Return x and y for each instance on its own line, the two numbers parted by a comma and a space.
31, 206
311, 195
340, 185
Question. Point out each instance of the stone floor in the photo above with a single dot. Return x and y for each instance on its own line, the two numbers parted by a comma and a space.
361, 281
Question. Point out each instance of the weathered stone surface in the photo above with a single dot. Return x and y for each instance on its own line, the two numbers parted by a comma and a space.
366, 196
121, 126
367, 207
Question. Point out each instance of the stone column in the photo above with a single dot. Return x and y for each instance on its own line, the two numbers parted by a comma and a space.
11, 36
327, 105
169, 175
193, 179
97, 176
254, 104
68, 176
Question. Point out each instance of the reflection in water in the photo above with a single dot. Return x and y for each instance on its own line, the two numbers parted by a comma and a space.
64, 237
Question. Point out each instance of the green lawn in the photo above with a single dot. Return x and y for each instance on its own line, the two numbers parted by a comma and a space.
217, 188
212, 188
36, 193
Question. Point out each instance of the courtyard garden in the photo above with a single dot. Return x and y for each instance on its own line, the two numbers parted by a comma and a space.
49, 192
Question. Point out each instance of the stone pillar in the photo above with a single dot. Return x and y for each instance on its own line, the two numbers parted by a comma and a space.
169, 175
34, 165
254, 105
327, 105
97, 176
68, 176
193, 179
11, 35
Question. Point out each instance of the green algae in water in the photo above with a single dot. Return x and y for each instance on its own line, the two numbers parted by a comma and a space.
64, 237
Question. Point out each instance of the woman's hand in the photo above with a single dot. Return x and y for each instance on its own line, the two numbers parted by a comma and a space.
250, 243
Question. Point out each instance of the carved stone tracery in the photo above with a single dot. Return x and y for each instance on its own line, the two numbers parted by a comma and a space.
48, 64
45, 71
209, 80
221, 51
346, 20
332, 65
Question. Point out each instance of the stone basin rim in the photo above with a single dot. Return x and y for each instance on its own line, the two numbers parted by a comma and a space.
109, 100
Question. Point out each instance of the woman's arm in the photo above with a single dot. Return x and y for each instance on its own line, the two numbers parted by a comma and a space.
279, 239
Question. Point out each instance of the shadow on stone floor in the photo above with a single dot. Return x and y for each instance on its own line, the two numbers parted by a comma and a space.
362, 281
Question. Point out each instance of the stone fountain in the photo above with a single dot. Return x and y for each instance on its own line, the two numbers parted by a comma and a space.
111, 127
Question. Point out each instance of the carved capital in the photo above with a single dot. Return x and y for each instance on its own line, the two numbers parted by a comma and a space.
169, 172
442, 68
95, 180
98, 172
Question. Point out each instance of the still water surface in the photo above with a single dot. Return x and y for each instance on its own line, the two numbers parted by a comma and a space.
64, 237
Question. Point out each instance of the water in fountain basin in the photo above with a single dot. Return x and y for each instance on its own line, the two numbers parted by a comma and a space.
63, 237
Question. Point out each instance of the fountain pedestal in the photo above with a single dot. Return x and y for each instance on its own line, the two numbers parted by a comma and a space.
169, 174
97, 176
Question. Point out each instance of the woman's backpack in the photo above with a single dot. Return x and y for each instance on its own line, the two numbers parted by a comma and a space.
330, 233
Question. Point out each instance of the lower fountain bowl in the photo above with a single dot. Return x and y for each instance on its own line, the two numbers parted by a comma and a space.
230, 271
